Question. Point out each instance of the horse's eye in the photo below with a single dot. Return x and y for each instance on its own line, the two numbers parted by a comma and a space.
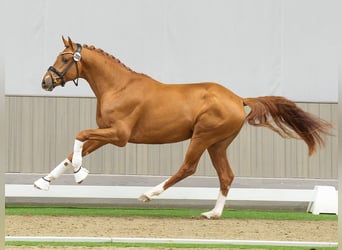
64, 60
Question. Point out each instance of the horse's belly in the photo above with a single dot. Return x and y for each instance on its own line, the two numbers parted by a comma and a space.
159, 134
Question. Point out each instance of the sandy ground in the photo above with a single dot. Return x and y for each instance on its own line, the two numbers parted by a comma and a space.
169, 228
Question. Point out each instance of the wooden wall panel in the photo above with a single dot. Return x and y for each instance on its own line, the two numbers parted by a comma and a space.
41, 132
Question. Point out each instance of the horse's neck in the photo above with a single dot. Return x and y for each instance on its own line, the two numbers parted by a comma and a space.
105, 74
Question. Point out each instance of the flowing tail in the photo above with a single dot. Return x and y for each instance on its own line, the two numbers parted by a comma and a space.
287, 119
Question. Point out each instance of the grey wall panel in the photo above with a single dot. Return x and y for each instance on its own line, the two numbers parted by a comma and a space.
41, 132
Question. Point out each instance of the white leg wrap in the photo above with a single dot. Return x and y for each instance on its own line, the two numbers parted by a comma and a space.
80, 173
44, 182
77, 156
59, 170
217, 210
157, 190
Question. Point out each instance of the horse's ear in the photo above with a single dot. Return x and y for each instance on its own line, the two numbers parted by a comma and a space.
66, 44
70, 43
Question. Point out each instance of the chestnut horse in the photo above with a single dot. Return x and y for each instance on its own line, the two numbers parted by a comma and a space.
133, 107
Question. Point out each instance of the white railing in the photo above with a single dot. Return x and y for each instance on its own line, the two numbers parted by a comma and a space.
174, 193
322, 199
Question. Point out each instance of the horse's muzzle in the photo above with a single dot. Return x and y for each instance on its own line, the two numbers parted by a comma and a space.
48, 83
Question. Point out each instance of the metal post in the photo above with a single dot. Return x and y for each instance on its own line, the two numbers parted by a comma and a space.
3, 133
339, 123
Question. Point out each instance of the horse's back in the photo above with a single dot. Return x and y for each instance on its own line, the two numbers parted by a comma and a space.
210, 97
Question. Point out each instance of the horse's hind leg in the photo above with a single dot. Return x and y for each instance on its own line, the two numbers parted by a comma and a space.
219, 159
193, 155
80, 173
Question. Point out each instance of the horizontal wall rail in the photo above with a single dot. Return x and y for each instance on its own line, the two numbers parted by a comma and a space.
175, 193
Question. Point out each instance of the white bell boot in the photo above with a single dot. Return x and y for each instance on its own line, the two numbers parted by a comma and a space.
80, 174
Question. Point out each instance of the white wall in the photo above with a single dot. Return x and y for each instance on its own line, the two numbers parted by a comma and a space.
266, 47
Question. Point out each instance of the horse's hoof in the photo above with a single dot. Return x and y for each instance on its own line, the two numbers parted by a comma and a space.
210, 215
145, 198
80, 175
42, 184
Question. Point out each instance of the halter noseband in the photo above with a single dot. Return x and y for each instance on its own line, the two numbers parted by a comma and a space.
76, 58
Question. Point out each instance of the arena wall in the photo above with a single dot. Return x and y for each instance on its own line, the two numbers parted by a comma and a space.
41, 132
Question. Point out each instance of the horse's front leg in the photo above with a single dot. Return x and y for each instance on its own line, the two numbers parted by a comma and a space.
80, 173
88, 147
82, 149
44, 182
102, 136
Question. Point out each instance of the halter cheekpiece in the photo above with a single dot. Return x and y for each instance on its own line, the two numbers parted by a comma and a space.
76, 58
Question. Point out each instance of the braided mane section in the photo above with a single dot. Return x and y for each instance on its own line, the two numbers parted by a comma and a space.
287, 119
102, 52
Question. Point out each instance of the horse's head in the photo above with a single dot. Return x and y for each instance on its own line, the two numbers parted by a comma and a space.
67, 67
